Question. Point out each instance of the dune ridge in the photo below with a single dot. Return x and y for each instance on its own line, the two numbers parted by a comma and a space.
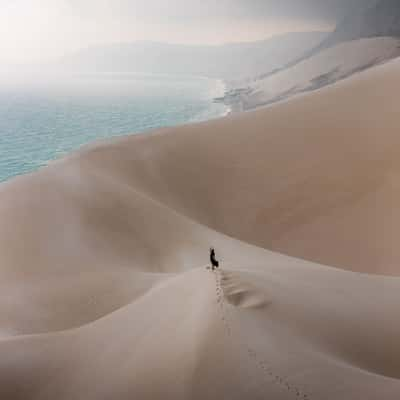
304, 178
105, 291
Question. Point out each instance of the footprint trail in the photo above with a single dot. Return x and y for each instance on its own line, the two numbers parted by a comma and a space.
262, 365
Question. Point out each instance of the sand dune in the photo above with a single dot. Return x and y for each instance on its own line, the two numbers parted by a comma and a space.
305, 178
105, 292
324, 68
291, 346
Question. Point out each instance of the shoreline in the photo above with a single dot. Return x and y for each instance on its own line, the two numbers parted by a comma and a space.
70, 134
108, 249
233, 97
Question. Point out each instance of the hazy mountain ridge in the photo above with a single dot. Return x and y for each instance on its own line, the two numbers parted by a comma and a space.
230, 61
324, 68
382, 18
379, 19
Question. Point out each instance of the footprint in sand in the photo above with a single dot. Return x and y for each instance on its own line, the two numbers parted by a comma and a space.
243, 296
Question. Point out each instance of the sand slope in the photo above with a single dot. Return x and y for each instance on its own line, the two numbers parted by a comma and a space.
324, 68
104, 290
306, 177
247, 333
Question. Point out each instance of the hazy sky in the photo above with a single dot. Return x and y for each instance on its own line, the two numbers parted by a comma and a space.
35, 30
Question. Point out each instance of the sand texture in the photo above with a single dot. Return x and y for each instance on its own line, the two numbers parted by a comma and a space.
104, 288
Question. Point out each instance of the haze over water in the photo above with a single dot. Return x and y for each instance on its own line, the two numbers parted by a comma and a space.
40, 122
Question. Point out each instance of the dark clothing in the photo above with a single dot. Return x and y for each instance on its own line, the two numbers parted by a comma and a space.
214, 262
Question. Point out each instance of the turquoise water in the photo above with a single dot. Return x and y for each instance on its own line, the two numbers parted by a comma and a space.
41, 122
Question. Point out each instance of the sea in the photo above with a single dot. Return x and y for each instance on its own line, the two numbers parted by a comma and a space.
44, 120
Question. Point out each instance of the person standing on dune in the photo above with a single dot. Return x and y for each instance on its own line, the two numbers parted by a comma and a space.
214, 262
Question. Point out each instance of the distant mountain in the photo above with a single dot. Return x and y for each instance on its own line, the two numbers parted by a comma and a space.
231, 61
381, 18
378, 18
324, 68
366, 37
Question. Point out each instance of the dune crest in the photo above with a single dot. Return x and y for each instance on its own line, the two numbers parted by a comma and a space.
103, 256
303, 178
